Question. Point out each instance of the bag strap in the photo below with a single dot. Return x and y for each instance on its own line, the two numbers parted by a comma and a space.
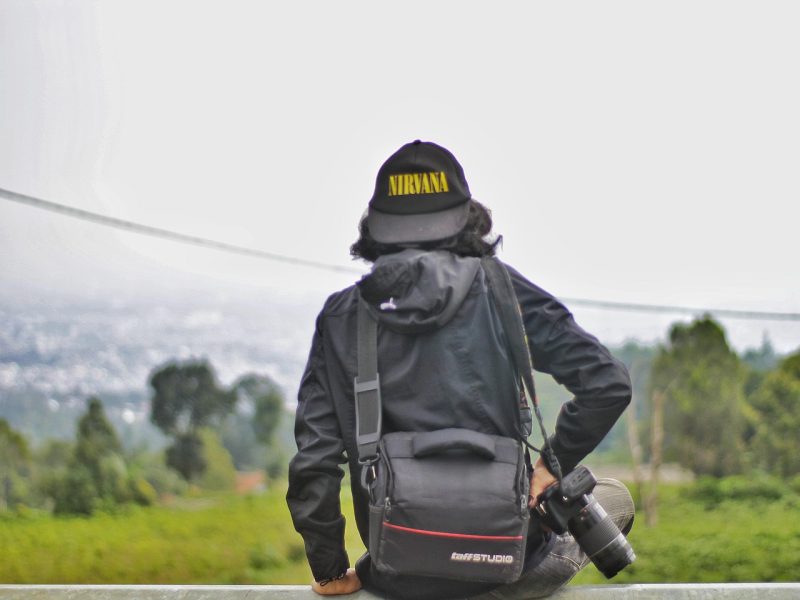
508, 309
367, 388
511, 319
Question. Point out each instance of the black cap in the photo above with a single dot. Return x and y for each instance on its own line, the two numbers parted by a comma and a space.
421, 195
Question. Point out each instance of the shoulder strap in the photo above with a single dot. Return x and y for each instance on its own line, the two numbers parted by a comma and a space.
511, 318
367, 388
508, 307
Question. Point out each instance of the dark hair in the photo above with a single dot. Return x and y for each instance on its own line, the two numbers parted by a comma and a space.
467, 242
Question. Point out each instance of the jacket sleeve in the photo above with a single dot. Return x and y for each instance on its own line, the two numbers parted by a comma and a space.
577, 360
314, 472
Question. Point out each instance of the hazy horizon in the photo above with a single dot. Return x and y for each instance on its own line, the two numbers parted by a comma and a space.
630, 152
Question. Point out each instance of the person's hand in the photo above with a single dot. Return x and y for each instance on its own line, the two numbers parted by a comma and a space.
346, 585
540, 481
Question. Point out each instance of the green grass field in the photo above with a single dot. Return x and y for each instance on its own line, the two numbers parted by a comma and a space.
227, 539
222, 539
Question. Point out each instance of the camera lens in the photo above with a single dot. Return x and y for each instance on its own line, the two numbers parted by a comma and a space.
600, 538
617, 555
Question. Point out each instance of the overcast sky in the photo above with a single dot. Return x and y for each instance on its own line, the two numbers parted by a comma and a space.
632, 151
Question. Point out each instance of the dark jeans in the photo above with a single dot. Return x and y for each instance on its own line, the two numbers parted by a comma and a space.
566, 557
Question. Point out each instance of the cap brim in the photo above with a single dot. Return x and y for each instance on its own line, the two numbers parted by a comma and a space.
428, 227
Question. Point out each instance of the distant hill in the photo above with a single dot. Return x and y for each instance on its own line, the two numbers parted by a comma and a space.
53, 357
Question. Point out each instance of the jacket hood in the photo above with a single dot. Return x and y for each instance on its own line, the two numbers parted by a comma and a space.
414, 291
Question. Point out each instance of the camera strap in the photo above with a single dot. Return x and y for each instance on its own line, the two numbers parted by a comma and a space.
511, 318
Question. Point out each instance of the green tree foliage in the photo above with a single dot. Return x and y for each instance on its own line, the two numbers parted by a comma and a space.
776, 404
151, 467
219, 474
277, 463
703, 383
75, 493
249, 433
186, 456
791, 365
54, 454
50, 464
240, 440
760, 362
14, 452
267, 399
186, 397
96, 474
763, 358
98, 449
202, 459
14, 465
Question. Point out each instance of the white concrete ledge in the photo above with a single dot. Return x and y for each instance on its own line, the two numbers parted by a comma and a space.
693, 591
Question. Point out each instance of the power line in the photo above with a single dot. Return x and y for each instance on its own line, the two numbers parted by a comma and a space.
166, 234
175, 236
754, 315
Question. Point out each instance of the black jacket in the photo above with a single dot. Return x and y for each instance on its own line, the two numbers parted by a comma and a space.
443, 361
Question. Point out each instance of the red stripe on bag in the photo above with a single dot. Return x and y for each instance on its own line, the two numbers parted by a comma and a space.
462, 536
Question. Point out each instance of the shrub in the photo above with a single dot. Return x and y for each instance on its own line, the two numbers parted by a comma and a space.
142, 493
265, 556
159, 476
75, 493
296, 552
755, 487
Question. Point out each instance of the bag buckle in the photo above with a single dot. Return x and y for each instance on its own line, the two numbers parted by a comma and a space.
368, 472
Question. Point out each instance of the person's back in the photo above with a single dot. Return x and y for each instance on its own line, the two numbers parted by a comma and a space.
443, 358
441, 351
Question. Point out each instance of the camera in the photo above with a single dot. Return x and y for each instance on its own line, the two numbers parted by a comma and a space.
570, 506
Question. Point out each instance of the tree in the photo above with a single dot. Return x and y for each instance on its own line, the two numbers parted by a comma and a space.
246, 432
267, 401
702, 382
95, 473
776, 404
54, 454
14, 458
75, 493
760, 362
97, 441
260, 408
219, 474
186, 397
763, 358
240, 441
185, 455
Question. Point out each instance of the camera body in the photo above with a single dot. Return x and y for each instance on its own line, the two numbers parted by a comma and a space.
570, 506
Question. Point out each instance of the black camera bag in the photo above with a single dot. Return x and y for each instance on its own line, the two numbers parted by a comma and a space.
451, 503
